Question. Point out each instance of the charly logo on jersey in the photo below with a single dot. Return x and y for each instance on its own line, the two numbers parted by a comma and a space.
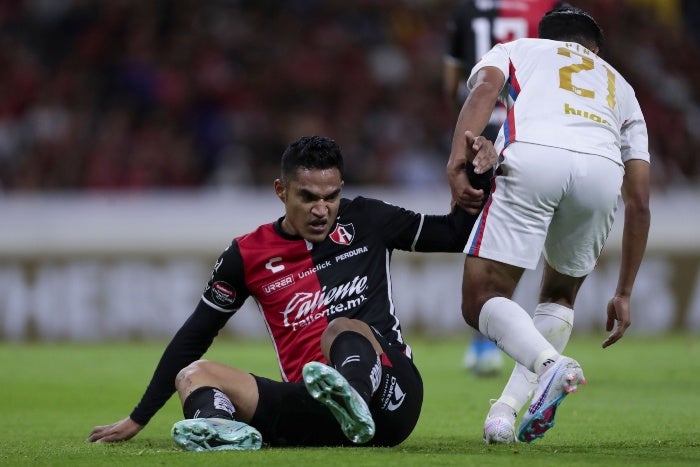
343, 234
392, 395
223, 293
270, 265
306, 307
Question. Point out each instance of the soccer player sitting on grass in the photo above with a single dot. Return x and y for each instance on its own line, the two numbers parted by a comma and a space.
320, 275
574, 141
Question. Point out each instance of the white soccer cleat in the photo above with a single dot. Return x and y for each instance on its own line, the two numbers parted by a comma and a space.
499, 427
556, 383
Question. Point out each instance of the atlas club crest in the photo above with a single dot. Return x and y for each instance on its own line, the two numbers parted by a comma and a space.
343, 234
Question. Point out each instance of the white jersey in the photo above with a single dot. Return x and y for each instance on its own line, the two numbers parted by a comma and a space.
563, 95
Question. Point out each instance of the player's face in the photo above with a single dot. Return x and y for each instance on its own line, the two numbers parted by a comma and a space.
311, 201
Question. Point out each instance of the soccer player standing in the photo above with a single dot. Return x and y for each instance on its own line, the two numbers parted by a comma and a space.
574, 140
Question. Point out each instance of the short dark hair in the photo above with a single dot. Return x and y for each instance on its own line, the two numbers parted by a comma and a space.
568, 23
311, 152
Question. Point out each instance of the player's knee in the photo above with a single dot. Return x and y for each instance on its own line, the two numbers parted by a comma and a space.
334, 328
337, 326
473, 302
471, 307
190, 373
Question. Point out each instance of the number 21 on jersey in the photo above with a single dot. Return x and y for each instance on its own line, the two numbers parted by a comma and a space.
585, 64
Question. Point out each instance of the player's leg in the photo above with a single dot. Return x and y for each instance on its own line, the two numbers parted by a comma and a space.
482, 357
507, 238
396, 406
553, 318
486, 288
218, 403
513, 330
512, 231
575, 238
352, 348
287, 415
347, 385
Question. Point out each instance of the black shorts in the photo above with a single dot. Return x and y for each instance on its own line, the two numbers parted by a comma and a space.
288, 416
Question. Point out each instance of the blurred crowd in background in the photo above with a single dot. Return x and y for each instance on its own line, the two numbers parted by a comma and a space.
147, 94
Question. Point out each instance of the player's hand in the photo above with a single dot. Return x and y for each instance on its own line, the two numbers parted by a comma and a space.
463, 193
120, 431
485, 155
618, 312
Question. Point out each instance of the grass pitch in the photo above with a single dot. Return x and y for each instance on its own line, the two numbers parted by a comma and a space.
640, 407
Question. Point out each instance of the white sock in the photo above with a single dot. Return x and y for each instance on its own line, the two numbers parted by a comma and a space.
512, 329
554, 322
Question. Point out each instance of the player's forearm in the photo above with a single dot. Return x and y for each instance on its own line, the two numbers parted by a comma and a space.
634, 241
635, 194
473, 117
447, 233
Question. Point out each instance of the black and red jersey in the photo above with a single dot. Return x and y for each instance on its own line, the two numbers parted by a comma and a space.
478, 25
301, 286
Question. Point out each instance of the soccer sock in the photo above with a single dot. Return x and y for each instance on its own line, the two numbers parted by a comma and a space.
353, 355
208, 402
554, 322
513, 330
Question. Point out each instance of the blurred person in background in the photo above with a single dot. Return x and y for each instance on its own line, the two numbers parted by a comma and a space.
92, 91
574, 141
320, 275
476, 26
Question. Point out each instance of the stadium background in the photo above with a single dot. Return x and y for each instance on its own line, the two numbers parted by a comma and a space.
138, 137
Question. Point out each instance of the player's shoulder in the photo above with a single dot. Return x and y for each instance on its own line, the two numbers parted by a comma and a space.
261, 233
355, 204
363, 206
529, 48
360, 201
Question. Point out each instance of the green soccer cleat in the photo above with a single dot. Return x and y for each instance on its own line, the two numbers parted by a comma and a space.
215, 434
329, 387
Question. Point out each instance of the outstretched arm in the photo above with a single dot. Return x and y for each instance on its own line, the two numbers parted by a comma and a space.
635, 194
472, 120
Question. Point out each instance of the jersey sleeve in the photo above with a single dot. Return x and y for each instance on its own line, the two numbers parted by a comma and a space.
404, 229
226, 290
447, 233
634, 140
497, 57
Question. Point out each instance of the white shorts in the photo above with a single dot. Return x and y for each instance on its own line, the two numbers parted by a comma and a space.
552, 201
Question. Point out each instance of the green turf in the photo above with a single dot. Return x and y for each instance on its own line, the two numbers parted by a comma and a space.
641, 407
